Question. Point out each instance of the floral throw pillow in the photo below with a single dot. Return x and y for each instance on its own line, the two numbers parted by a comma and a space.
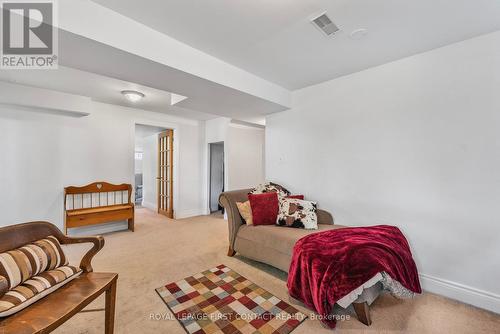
270, 187
297, 213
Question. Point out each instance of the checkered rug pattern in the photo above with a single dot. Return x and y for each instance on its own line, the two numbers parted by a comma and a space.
220, 300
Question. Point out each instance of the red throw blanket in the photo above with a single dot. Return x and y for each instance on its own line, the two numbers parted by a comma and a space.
326, 266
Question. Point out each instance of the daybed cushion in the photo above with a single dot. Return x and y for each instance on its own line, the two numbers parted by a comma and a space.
276, 237
36, 288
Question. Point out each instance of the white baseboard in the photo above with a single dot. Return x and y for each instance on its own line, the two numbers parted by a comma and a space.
188, 213
148, 205
177, 214
463, 293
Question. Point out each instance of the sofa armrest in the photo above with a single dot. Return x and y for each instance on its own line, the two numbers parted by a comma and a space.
228, 200
324, 217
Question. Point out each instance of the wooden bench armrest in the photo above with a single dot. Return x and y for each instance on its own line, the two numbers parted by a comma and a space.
98, 243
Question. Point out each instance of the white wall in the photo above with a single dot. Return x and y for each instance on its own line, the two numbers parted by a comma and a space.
245, 156
150, 172
138, 166
138, 147
42, 153
216, 129
414, 143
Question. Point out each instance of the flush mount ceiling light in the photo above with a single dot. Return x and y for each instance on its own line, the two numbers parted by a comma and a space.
132, 95
358, 33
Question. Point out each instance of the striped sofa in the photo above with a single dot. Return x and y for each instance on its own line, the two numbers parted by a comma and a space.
31, 272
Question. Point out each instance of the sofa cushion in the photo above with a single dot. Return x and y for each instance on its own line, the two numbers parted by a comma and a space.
19, 265
264, 208
276, 237
35, 288
297, 213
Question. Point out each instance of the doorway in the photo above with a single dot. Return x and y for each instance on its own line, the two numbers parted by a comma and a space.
147, 166
216, 185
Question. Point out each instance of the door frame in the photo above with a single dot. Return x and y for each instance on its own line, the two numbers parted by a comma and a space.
177, 135
207, 172
210, 170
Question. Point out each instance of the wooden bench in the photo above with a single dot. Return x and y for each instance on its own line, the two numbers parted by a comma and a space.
97, 203
53, 310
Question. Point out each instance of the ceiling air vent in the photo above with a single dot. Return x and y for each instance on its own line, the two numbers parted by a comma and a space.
324, 24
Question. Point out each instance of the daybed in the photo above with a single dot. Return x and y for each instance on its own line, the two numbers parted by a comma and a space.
273, 245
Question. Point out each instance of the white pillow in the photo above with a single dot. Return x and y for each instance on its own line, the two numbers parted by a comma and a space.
297, 213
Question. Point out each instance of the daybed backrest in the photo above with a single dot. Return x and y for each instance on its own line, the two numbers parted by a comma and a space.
97, 194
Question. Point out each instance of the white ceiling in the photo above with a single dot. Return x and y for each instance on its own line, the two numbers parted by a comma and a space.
275, 40
101, 88
203, 95
116, 53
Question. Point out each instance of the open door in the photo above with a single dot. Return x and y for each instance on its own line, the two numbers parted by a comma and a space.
165, 173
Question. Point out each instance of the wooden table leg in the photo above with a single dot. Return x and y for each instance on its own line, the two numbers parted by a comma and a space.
109, 321
363, 312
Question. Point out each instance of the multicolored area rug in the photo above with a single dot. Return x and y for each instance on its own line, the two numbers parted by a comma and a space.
220, 300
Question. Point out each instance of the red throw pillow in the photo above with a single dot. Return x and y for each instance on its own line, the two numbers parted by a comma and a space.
264, 208
296, 197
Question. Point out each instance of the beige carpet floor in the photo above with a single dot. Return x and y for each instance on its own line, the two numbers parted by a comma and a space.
163, 250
